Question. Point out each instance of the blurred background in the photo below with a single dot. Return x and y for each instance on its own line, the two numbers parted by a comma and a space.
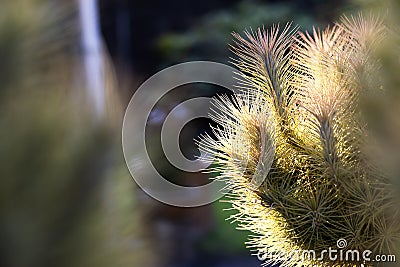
67, 72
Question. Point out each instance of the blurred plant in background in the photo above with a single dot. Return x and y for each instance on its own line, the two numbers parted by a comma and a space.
306, 108
382, 110
64, 199
210, 37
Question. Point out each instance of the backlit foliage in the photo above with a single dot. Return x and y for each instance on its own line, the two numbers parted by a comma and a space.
294, 145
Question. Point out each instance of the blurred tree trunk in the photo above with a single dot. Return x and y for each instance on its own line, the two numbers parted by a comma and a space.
92, 54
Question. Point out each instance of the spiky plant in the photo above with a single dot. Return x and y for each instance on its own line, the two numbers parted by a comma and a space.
294, 146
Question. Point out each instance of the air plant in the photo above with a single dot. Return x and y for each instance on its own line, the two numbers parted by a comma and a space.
294, 146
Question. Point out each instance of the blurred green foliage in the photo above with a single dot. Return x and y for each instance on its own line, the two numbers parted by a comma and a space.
224, 238
209, 39
65, 197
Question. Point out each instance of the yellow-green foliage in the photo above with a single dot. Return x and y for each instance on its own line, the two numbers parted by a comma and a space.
300, 110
